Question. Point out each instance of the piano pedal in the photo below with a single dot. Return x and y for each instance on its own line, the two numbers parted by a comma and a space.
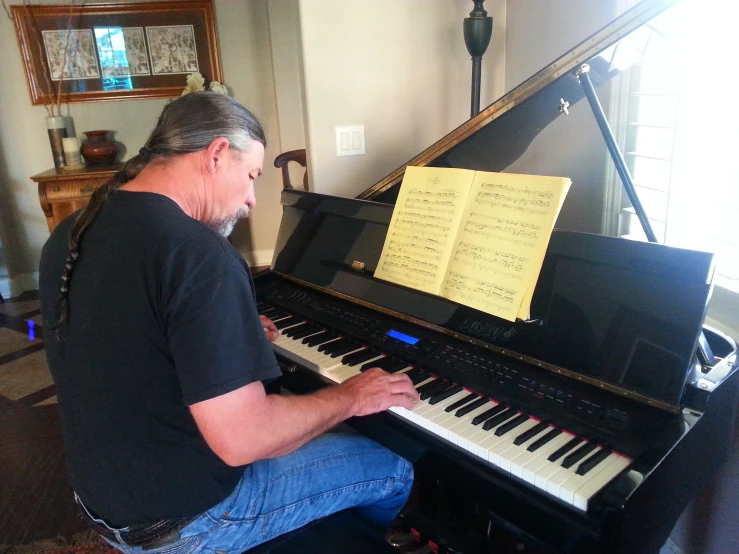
400, 539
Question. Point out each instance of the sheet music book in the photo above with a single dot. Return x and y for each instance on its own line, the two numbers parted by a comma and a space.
475, 237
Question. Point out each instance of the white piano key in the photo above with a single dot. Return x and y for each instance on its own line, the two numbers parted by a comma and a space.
547, 471
539, 460
568, 488
524, 456
555, 482
583, 495
497, 453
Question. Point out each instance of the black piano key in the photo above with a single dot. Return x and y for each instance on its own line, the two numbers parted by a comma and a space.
459, 403
443, 395
296, 329
500, 418
306, 332
391, 364
593, 461
526, 435
557, 454
472, 406
434, 390
265, 309
488, 414
350, 346
320, 338
277, 314
431, 385
538, 443
358, 357
510, 425
578, 455
328, 347
419, 377
281, 324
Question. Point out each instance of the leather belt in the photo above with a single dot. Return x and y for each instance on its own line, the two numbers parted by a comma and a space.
151, 536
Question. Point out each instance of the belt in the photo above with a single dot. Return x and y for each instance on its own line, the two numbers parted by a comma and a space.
151, 536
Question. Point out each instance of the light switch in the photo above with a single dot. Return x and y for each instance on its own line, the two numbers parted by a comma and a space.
350, 140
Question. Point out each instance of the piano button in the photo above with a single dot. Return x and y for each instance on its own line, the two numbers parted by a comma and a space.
443, 395
320, 338
490, 413
534, 461
525, 436
360, 357
575, 441
500, 418
577, 455
287, 322
534, 446
611, 469
593, 461
512, 424
482, 401
466, 400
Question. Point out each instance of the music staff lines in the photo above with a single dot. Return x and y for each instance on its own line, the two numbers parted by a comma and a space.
507, 189
470, 228
419, 251
500, 221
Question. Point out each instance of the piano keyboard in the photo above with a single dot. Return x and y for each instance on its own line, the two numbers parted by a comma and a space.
554, 460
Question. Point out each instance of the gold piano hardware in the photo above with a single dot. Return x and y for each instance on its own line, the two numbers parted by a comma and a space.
359, 266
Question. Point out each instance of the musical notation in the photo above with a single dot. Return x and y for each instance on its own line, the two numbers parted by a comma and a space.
476, 238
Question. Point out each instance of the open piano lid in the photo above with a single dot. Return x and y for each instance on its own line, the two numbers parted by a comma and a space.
527, 130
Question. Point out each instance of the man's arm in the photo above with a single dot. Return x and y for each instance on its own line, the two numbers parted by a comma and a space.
247, 425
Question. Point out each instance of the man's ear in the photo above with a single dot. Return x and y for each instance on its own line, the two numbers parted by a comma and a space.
214, 153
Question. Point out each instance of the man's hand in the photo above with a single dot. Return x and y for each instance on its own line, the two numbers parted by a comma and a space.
272, 333
376, 390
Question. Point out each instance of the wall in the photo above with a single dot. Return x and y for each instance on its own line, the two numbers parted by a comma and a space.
24, 148
401, 69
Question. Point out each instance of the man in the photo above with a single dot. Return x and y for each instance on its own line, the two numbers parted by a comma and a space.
159, 359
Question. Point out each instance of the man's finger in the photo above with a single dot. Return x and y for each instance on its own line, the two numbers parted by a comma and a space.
402, 400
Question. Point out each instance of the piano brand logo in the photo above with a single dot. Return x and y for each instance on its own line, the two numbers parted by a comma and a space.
486, 330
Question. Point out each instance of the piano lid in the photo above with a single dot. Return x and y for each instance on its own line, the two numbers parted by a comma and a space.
618, 314
528, 131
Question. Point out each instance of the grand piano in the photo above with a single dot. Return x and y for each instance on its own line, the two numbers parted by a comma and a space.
587, 428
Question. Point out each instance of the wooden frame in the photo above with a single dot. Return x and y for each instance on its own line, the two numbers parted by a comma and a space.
71, 47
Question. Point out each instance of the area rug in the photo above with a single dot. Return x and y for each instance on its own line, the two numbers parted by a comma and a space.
82, 543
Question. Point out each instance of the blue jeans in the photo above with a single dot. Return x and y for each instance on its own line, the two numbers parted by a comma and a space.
331, 473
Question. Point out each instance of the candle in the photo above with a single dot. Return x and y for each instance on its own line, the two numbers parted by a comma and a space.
72, 151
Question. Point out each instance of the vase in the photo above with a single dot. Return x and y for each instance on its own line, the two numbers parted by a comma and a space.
97, 149
57, 131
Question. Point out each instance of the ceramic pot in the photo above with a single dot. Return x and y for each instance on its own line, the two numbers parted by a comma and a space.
97, 149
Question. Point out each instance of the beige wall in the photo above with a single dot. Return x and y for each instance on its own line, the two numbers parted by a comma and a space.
24, 145
400, 68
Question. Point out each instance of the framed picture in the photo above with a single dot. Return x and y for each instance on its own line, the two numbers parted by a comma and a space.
113, 51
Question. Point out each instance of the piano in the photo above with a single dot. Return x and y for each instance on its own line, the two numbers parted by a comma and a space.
585, 429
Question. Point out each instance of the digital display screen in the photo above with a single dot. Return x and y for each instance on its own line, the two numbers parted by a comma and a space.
402, 337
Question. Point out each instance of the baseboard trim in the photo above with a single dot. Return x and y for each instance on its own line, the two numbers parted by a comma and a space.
10, 287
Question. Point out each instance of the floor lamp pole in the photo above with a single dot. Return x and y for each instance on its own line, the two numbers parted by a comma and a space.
478, 28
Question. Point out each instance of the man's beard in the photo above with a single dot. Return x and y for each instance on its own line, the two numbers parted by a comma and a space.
226, 225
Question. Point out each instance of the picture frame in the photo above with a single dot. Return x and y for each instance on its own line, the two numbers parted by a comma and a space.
115, 51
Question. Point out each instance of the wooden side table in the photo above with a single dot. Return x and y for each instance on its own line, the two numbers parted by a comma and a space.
62, 192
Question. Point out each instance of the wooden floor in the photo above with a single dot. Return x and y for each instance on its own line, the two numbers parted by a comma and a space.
35, 499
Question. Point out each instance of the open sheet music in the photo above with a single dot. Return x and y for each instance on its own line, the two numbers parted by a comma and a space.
474, 237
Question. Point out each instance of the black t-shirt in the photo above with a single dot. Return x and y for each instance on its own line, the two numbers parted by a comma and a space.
161, 316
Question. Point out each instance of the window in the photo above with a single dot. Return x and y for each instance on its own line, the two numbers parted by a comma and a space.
679, 126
